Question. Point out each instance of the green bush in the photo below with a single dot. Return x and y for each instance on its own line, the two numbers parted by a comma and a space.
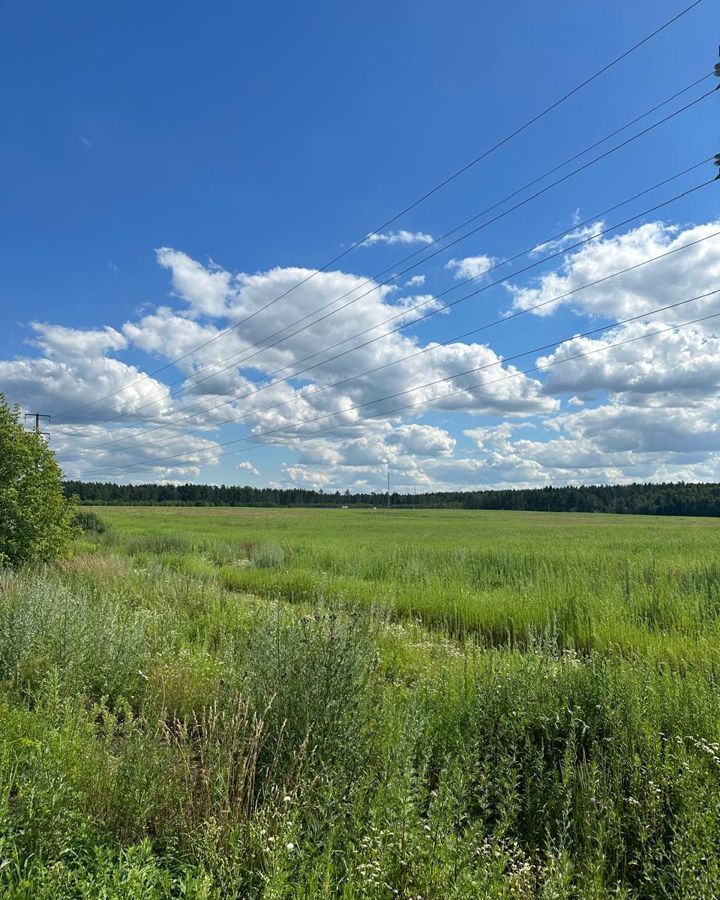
268, 556
34, 513
88, 521
98, 644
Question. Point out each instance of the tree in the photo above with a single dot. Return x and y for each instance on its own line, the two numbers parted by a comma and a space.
34, 513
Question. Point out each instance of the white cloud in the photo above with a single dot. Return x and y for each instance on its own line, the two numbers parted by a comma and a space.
85, 452
572, 237
75, 367
205, 289
642, 410
470, 266
415, 281
398, 237
619, 427
605, 445
492, 437
75, 371
676, 364
61, 342
247, 466
301, 476
298, 350
422, 440
683, 274
167, 335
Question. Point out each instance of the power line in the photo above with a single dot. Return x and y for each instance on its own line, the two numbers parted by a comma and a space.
425, 401
436, 311
430, 348
372, 280
424, 196
283, 337
262, 346
394, 411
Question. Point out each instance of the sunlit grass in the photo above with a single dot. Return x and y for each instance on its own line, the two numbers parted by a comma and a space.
273, 704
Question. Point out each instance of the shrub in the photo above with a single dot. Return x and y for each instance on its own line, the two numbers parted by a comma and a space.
34, 513
98, 645
268, 556
87, 520
310, 680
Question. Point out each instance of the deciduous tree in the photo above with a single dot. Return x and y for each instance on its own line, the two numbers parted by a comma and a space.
34, 514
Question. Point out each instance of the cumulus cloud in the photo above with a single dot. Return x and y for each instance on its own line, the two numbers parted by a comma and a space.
415, 281
291, 334
75, 370
61, 342
166, 335
609, 444
206, 289
685, 273
642, 360
572, 237
87, 452
640, 410
619, 427
301, 476
423, 440
398, 237
470, 266
77, 367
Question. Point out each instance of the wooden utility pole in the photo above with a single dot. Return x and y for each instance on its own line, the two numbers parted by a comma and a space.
37, 417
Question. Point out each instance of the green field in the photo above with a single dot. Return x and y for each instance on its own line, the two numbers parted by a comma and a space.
220, 703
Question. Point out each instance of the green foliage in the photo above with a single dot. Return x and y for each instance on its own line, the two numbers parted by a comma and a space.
88, 521
268, 556
97, 643
466, 706
34, 514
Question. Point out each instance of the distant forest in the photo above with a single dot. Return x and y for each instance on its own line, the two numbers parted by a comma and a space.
643, 499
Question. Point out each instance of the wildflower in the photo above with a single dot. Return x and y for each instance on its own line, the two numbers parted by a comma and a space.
287, 798
290, 845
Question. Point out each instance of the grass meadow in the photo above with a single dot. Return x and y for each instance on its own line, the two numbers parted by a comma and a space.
226, 703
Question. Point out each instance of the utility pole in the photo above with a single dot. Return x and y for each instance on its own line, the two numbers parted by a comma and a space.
388, 490
37, 417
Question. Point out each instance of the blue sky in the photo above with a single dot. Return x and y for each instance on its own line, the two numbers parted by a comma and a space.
254, 141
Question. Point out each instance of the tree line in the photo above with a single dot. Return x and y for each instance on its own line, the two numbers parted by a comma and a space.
666, 499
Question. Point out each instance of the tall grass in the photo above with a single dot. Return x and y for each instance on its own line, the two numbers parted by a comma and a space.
439, 720
599, 583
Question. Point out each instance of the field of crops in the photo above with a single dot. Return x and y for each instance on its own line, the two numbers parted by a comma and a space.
214, 703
